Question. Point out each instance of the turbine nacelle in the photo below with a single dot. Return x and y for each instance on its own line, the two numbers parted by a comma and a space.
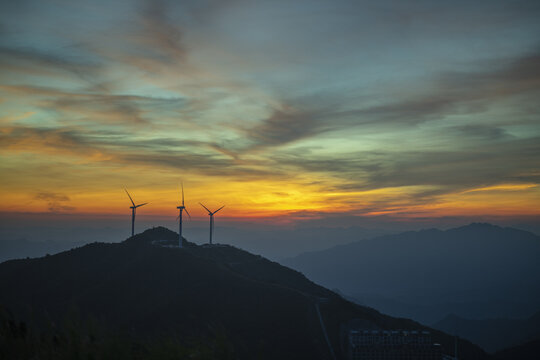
136, 206
182, 207
210, 212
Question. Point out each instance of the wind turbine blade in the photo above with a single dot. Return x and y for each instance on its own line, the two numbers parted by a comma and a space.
182, 194
187, 213
129, 196
178, 217
140, 205
206, 208
219, 209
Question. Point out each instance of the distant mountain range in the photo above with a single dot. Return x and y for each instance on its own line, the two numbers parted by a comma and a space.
475, 271
145, 290
493, 334
278, 243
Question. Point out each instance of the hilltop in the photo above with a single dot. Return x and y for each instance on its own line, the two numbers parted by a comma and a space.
149, 291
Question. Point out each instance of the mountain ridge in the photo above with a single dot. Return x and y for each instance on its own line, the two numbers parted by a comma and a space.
480, 264
155, 291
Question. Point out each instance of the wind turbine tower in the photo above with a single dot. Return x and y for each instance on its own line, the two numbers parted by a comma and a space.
181, 208
133, 208
211, 214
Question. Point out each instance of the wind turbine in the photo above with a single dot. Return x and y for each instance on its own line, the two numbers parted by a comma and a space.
181, 208
133, 213
211, 219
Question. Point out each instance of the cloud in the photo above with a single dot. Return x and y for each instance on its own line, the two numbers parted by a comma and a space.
464, 93
455, 93
155, 45
445, 170
503, 162
118, 148
55, 201
98, 108
164, 39
282, 127
204, 164
38, 140
426, 174
27, 60
481, 132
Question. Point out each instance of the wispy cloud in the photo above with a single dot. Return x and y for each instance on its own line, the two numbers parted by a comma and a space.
108, 109
31, 60
162, 37
116, 148
51, 141
56, 202
454, 93
434, 172
282, 127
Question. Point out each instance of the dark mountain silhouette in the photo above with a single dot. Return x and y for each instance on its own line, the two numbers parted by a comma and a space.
147, 291
475, 271
526, 351
492, 334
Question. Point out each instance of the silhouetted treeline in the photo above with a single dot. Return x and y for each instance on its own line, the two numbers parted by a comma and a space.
85, 340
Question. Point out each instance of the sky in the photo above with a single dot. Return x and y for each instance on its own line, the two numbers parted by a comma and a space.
284, 111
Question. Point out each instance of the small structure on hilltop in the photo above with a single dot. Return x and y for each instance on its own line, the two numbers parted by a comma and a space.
368, 344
